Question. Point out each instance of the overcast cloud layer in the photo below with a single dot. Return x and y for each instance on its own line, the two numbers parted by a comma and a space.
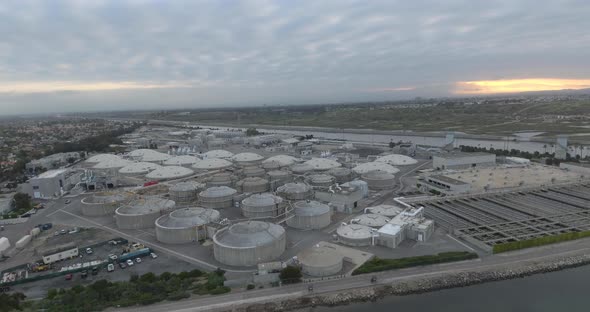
94, 55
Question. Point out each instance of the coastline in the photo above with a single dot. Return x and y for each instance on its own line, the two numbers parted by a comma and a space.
417, 286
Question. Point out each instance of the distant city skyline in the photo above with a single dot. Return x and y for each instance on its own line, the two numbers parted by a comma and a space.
60, 56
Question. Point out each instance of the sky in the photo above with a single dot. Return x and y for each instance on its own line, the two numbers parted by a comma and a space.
59, 56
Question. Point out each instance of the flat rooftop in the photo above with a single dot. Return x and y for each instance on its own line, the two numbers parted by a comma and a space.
448, 179
457, 154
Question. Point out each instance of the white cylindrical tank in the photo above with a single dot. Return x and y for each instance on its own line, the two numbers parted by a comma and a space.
220, 179
252, 185
249, 243
299, 169
310, 214
320, 261
142, 212
247, 159
264, 205
23, 242
217, 197
103, 204
295, 191
252, 171
4, 245
169, 173
185, 225
354, 235
280, 160
320, 180
185, 192
379, 180
211, 164
372, 220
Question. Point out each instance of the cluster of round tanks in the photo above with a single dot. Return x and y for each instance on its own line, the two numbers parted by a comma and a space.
262, 205
320, 261
102, 204
249, 243
310, 214
355, 235
252, 185
295, 191
379, 180
142, 213
341, 174
185, 225
185, 192
217, 197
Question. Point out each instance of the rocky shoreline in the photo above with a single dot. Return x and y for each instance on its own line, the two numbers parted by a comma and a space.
418, 286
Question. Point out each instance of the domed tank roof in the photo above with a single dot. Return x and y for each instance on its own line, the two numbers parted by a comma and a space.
139, 168
282, 160
322, 163
218, 191
249, 234
296, 187
253, 181
262, 199
378, 175
188, 217
212, 164
375, 166
372, 220
386, 210
397, 160
246, 157
146, 205
182, 160
169, 172
310, 208
102, 158
320, 179
223, 154
354, 231
112, 163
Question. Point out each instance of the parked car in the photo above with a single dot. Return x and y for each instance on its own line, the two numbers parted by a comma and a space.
69, 277
63, 232
110, 267
137, 260
113, 257
130, 262
84, 274
122, 265
153, 255
73, 231
94, 270
89, 251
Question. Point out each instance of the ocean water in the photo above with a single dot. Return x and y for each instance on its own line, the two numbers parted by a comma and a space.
567, 290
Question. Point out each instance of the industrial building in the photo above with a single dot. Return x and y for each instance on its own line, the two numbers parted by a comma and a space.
409, 224
344, 198
53, 183
141, 213
461, 160
264, 205
103, 203
295, 191
186, 225
320, 261
217, 197
446, 185
310, 215
249, 243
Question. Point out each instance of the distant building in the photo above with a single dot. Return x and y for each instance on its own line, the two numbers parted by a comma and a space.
461, 160
63, 252
53, 183
406, 225
446, 185
53, 161
561, 147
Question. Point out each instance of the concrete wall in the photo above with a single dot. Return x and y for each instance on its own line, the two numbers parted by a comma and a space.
450, 162
131, 222
318, 270
310, 222
180, 236
98, 210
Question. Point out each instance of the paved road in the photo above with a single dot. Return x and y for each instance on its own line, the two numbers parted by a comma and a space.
507, 260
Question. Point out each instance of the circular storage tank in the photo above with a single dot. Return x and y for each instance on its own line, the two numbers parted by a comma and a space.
397, 160
217, 197
372, 220
262, 205
102, 158
310, 214
389, 211
301, 168
354, 235
220, 179
375, 166
223, 154
185, 225
320, 261
253, 172
295, 191
169, 173
142, 213
212, 164
271, 165
322, 164
320, 180
249, 243
252, 185
138, 169
102, 204
278, 178
182, 160
341, 174
379, 180
244, 159
185, 192
281, 160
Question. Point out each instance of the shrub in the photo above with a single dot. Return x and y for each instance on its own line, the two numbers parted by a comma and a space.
178, 296
377, 265
250, 287
220, 290
539, 241
290, 275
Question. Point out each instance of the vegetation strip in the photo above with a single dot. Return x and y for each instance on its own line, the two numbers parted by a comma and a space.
539, 241
377, 265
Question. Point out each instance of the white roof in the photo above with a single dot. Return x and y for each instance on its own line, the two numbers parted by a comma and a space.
390, 229
397, 160
181, 160
247, 157
212, 164
112, 163
144, 154
102, 157
139, 167
51, 173
218, 154
169, 172
323, 163
283, 160
375, 166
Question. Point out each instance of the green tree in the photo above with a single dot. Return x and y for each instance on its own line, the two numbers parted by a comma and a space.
290, 275
252, 132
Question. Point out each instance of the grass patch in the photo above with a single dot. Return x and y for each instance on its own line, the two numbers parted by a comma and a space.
377, 264
540, 241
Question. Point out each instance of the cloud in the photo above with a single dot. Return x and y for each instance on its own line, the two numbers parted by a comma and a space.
58, 86
328, 51
519, 85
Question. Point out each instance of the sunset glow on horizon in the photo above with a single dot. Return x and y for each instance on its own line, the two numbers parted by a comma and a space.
519, 85
57, 86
